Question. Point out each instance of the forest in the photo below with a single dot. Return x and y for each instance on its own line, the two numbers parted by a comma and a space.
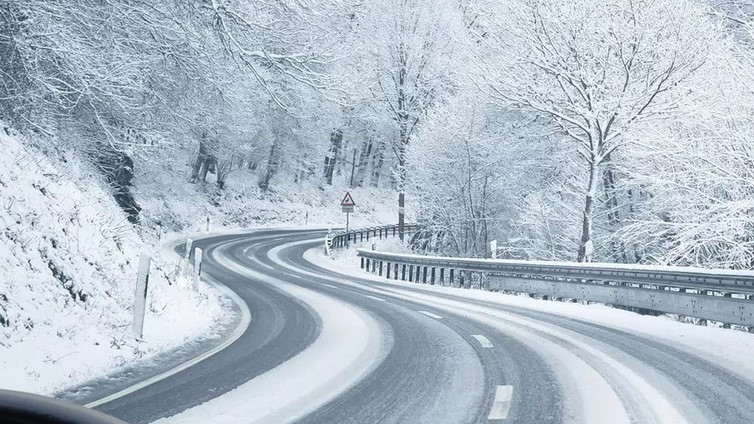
611, 131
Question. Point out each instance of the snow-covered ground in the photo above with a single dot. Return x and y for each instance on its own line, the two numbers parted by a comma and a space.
350, 345
68, 257
729, 348
167, 199
68, 263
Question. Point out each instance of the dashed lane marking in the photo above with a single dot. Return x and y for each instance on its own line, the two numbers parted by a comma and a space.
375, 298
484, 341
430, 314
502, 403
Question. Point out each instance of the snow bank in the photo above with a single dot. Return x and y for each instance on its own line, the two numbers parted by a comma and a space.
68, 263
351, 344
728, 348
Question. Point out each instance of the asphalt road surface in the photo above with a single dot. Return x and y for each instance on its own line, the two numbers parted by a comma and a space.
446, 359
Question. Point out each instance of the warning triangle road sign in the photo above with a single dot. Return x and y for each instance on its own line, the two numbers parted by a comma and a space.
347, 200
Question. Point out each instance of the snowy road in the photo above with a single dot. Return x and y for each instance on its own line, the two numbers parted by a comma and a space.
326, 347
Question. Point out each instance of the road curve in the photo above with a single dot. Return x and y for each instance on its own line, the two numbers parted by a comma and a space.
443, 359
280, 327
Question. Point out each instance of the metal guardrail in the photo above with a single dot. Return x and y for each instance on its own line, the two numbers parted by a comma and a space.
719, 295
342, 238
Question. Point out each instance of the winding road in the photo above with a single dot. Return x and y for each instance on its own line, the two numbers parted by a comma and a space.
326, 347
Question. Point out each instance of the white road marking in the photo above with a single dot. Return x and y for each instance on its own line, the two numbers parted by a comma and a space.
502, 403
375, 298
430, 314
329, 285
484, 341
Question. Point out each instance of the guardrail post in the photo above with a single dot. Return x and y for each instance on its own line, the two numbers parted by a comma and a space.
424, 277
362, 263
387, 274
432, 278
442, 276
418, 273
395, 270
380, 269
394, 228
403, 272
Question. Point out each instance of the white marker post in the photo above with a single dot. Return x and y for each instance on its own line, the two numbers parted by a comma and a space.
197, 266
493, 249
140, 303
328, 240
186, 254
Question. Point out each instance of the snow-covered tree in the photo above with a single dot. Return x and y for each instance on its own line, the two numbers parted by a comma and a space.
410, 46
597, 69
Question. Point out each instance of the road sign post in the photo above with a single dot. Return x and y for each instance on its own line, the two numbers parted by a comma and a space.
348, 205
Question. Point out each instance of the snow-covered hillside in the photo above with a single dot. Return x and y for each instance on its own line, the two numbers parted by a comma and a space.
68, 263
69, 257
169, 203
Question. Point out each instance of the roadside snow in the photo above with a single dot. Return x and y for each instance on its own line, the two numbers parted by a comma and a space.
68, 262
729, 348
349, 346
171, 204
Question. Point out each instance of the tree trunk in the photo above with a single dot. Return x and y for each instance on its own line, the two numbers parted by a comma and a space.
402, 180
617, 248
353, 168
209, 164
199, 167
336, 140
378, 160
223, 169
361, 170
272, 165
586, 245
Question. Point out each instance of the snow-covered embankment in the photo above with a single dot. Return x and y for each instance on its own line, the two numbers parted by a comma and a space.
68, 262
